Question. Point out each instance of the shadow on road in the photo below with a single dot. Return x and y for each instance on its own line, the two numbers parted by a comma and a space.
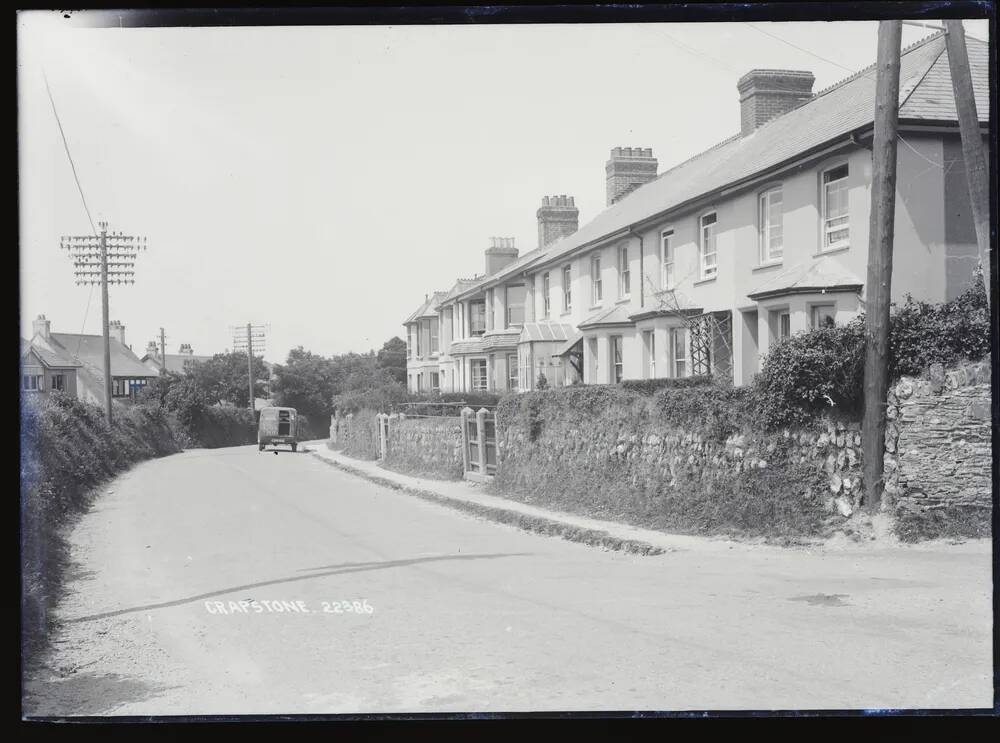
351, 567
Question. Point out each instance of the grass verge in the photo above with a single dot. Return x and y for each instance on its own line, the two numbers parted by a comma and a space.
955, 522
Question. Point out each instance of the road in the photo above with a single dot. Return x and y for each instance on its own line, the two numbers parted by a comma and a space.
468, 615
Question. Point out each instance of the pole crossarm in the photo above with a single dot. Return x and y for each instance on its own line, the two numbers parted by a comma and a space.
104, 259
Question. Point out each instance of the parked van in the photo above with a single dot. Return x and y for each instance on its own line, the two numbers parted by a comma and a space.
278, 426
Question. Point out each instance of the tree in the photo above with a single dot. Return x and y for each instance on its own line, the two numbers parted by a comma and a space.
223, 378
305, 382
392, 358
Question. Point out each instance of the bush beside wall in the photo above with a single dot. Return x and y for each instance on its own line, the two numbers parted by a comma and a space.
68, 450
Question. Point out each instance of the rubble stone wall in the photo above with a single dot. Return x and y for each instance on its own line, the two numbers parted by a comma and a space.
428, 447
938, 439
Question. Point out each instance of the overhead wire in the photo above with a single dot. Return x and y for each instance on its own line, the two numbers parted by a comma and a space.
83, 198
899, 136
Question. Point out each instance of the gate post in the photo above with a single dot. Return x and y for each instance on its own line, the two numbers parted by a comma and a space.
466, 416
380, 422
481, 429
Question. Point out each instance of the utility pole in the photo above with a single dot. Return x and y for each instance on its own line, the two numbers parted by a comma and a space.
251, 337
252, 397
104, 259
972, 142
163, 349
878, 289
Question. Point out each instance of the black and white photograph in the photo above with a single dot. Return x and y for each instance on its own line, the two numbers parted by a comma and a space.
506, 361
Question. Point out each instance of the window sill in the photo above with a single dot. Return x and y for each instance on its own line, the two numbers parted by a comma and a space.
595, 307
567, 313
707, 280
831, 251
765, 266
624, 300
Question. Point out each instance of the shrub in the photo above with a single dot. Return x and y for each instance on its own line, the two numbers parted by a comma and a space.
650, 386
922, 334
809, 373
382, 398
67, 450
823, 370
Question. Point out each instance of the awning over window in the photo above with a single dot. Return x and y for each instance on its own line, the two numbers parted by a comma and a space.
573, 345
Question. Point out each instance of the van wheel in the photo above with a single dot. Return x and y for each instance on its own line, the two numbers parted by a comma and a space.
294, 447
260, 447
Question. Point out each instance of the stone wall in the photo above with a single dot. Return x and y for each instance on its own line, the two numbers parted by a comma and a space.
428, 447
938, 439
355, 434
579, 455
938, 448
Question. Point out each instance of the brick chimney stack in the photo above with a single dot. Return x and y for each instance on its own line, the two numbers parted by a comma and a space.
117, 331
628, 168
186, 349
500, 254
41, 326
153, 349
557, 217
766, 94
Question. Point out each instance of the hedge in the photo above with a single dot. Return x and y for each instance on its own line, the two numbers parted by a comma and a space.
68, 450
822, 371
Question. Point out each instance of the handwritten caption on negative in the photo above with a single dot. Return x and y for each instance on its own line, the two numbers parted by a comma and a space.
252, 606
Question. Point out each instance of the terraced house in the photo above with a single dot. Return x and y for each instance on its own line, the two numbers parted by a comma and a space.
702, 268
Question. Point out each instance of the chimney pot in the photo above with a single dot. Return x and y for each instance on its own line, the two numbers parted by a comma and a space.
767, 94
41, 326
500, 254
628, 168
557, 218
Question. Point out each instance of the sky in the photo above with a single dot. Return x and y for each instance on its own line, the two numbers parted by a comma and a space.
321, 180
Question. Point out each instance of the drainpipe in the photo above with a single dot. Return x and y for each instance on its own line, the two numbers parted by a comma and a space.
642, 272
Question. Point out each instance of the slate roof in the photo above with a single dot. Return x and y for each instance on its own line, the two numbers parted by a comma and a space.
427, 309
176, 362
823, 274
89, 350
574, 340
925, 95
616, 315
466, 346
461, 286
501, 338
53, 358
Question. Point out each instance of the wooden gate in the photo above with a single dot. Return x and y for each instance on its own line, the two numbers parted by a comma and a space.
479, 444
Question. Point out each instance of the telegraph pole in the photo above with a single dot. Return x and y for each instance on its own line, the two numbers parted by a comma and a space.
878, 289
163, 349
250, 365
972, 142
104, 259
104, 321
250, 337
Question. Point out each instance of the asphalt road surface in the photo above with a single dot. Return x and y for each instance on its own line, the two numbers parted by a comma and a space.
166, 611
